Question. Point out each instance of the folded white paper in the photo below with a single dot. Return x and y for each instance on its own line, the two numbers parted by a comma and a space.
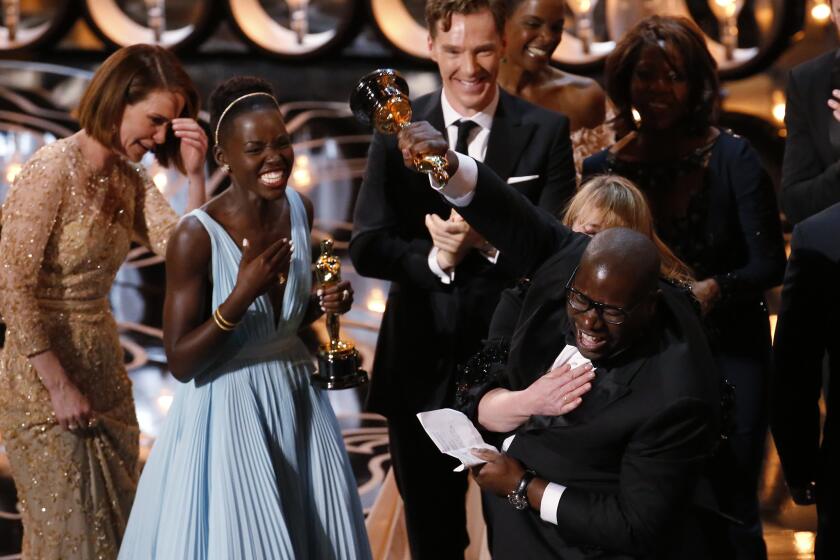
454, 434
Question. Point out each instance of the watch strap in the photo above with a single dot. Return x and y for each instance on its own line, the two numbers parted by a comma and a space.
518, 497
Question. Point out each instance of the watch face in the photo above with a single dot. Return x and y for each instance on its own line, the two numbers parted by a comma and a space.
517, 500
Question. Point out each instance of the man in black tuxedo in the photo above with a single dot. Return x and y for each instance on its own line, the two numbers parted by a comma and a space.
626, 465
806, 330
811, 169
441, 300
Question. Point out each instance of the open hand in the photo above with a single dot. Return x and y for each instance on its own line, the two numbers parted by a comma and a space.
500, 474
260, 271
559, 391
193, 144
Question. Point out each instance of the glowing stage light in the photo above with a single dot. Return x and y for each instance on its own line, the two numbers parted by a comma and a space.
376, 301
821, 12
804, 542
12, 171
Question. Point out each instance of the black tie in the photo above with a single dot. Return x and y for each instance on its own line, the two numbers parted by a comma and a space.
464, 129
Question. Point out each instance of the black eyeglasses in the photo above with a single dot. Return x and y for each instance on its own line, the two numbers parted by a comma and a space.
581, 303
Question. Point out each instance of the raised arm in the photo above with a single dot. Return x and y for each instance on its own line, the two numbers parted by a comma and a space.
527, 235
154, 218
192, 337
377, 248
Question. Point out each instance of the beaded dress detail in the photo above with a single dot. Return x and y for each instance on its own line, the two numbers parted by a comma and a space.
66, 231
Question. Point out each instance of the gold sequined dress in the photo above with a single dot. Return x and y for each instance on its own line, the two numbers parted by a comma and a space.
66, 231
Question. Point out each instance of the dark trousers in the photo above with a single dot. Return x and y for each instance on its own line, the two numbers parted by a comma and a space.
828, 499
749, 376
434, 495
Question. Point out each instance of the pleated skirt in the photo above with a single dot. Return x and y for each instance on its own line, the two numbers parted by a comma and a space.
250, 465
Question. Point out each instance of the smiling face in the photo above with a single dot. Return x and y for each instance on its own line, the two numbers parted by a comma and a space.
533, 32
258, 149
144, 124
659, 88
468, 57
595, 338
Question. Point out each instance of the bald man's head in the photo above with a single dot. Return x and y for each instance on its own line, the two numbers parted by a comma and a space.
628, 252
612, 295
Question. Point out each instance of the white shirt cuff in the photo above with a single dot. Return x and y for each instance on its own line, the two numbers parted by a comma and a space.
437, 270
492, 257
550, 500
460, 189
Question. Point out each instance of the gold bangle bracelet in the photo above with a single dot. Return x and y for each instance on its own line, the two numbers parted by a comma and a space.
221, 322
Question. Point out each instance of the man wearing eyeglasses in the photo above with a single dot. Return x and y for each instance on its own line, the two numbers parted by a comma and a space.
620, 476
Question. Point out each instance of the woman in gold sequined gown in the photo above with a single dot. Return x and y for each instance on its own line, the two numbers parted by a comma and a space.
66, 409
533, 30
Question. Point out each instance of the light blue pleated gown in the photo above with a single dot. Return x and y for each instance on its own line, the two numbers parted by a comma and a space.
250, 463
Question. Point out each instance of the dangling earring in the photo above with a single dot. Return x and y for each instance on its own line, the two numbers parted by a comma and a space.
226, 168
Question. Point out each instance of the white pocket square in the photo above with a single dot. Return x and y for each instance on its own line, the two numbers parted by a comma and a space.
512, 180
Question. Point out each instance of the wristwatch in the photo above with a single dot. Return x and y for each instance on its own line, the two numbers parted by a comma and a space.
518, 497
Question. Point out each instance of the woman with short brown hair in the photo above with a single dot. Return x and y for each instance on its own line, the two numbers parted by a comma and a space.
66, 408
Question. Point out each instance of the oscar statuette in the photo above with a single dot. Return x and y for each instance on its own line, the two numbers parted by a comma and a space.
381, 99
338, 361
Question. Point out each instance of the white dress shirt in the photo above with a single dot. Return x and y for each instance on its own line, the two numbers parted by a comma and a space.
476, 148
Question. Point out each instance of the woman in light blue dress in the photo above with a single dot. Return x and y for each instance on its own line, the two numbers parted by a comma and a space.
250, 463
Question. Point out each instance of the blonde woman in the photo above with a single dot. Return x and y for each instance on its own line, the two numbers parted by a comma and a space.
607, 201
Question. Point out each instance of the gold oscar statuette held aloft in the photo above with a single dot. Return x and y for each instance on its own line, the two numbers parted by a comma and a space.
338, 361
381, 99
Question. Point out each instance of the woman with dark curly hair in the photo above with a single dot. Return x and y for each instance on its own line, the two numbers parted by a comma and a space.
251, 462
714, 206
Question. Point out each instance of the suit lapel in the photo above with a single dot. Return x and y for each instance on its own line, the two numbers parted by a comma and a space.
832, 123
508, 137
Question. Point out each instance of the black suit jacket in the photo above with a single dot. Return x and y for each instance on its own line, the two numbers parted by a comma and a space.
811, 171
429, 327
807, 328
632, 453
